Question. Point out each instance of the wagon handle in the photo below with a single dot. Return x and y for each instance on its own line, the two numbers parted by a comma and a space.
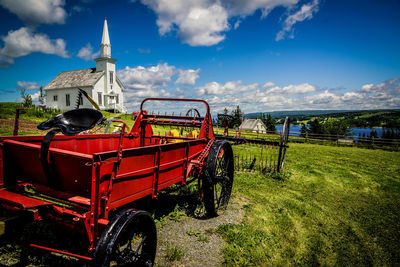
176, 99
121, 139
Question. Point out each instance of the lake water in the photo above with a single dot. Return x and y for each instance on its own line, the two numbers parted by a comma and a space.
295, 130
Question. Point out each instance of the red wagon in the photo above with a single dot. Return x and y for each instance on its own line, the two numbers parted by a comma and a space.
86, 182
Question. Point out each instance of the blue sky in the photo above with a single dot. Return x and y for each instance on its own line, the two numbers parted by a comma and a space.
263, 55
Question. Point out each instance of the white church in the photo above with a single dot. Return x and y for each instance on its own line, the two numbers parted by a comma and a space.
101, 83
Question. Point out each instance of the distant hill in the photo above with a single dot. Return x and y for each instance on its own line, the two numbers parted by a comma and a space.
280, 114
318, 113
389, 118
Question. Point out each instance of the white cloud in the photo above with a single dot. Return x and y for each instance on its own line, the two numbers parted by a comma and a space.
215, 88
234, 87
37, 11
370, 96
146, 78
258, 97
24, 41
188, 77
35, 97
87, 53
141, 82
156, 81
205, 22
268, 84
199, 22
293, 89
27, 85
305, 12
367, 87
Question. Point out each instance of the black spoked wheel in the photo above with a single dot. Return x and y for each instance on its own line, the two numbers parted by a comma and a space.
283, 144
217, 179
130, 239
192, 113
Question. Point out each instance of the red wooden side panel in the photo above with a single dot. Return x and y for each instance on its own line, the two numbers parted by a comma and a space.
91, 144
22, 163
138, 169
135, 175
171, 162
31, 139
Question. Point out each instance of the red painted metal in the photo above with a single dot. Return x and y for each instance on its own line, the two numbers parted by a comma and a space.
101, 172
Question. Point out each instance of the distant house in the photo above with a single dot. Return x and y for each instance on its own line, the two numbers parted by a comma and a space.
253, 125
101, 83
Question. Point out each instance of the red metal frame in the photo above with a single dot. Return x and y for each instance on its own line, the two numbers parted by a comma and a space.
100, 173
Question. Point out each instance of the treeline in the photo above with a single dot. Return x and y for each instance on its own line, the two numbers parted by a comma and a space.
360, 119
324, 127
386, 134
341, 127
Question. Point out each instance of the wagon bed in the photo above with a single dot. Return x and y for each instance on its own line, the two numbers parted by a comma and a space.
85, 181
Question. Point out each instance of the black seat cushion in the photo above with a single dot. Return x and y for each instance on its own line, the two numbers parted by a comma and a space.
74, 121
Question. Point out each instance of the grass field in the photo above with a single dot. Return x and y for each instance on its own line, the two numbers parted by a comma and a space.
331, 206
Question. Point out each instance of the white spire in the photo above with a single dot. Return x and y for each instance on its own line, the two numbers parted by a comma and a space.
105, 46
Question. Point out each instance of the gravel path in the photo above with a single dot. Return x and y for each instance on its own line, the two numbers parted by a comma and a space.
196, 238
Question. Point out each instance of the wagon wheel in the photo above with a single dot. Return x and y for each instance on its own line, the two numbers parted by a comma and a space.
191, 113
218, 178
283, 144
130, 239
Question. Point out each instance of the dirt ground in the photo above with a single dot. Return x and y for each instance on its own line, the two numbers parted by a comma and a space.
196, 238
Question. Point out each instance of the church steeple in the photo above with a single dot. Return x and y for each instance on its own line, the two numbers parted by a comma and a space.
105, 46
105, 62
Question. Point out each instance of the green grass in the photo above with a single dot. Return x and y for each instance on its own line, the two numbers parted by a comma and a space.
331, 206
174, 253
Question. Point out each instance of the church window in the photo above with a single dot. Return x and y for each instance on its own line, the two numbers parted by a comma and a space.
99, 97
111, 77
55, 97
117, 99
67, 100
80, 100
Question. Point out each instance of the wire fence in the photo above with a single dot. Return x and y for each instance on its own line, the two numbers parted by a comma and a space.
346, 140
255, 157
327, 139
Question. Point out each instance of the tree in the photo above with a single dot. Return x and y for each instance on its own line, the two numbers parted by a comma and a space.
373, 134
26, 98
42, 95
304, 130
221, 122
336, 127
237, 117
270, 123
315, 127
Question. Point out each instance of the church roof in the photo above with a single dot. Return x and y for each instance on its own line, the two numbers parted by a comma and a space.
75, 78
